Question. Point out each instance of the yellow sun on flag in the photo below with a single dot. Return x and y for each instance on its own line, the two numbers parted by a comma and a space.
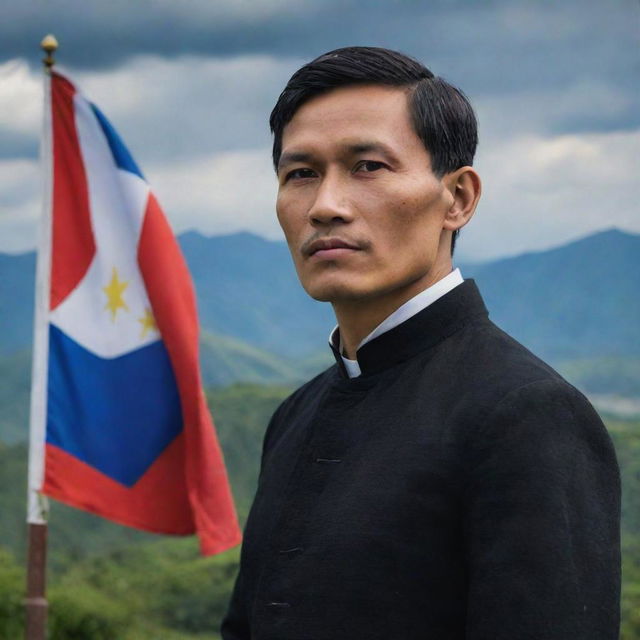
114, 291
148, 322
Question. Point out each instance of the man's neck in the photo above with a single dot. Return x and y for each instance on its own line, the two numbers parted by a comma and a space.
357, 319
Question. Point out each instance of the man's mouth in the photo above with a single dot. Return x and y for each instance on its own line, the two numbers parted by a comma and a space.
329, 247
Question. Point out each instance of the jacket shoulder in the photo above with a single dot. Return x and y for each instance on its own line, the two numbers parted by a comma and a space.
489, 372
497, 352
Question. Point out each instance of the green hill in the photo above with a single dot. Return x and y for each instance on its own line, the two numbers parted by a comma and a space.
15, 374
224, 361
576, 301
580, 310
613, 375
240, 412
113, 583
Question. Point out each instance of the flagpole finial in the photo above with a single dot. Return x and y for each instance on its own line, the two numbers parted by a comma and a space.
49, 45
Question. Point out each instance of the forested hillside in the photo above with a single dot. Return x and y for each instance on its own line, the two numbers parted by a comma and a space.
112, 583
577, 305
576, 301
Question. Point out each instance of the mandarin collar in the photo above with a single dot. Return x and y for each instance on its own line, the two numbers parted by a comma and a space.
419, 332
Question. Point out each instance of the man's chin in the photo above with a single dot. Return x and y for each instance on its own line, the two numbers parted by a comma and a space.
335, 293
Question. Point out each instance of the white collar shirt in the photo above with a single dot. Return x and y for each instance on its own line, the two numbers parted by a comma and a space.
416, 304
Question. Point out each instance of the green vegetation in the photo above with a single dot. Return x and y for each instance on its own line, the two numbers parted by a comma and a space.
630, 587
626, 438
241, 414
15, 373
142, 592
109, 582
616, 376
11, 594
226, 360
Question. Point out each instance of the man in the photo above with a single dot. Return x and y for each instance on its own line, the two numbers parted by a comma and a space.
439, 481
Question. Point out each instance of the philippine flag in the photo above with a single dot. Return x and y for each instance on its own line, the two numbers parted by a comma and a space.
119, 422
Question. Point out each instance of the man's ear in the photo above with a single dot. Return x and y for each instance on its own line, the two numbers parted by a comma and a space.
465, 187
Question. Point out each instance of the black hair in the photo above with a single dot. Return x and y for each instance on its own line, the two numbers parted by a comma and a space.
441, 114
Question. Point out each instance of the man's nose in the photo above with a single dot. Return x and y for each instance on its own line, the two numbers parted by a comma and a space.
331, 204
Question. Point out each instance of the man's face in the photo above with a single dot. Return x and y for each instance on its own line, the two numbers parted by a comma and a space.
361, 209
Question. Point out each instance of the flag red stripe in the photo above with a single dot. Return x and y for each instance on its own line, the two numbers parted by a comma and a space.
73, 246
173, 302
158, 502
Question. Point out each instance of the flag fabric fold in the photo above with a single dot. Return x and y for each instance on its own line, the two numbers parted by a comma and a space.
126, 432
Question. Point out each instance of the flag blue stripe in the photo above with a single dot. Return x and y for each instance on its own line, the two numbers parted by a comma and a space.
121, 155
116, 415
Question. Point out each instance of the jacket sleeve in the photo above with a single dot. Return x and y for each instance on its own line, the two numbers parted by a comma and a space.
541, 524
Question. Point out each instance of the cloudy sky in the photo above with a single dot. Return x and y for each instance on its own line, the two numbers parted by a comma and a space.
189, 84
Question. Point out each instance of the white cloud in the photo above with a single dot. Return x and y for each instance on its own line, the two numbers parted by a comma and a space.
20, 204
221, 193
18, 178
540, 192
198, 129
216, 194
191, 123
20, 97
189, 105
162, 108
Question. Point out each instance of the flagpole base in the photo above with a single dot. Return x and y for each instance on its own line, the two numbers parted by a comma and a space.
37, 610
36, 605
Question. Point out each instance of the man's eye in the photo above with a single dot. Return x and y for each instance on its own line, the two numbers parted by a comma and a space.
369, 166
298, 174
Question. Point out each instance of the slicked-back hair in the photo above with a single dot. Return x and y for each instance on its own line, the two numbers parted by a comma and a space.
441, 114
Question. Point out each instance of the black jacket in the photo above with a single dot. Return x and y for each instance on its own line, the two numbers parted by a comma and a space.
458, 489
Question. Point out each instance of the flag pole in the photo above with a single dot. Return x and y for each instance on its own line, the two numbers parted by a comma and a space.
36, 602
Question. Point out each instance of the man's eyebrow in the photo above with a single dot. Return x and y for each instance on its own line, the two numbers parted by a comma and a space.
289, 157
350, 148
368, 147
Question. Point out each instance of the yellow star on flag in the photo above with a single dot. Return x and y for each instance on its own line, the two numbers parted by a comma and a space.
148, 322
114, 291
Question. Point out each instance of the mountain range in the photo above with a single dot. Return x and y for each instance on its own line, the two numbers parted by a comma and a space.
576, 306
580, 300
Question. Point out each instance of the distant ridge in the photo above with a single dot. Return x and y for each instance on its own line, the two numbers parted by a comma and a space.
612, 235
576, 305
226, 361
17, 274
248, 289
577, 300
